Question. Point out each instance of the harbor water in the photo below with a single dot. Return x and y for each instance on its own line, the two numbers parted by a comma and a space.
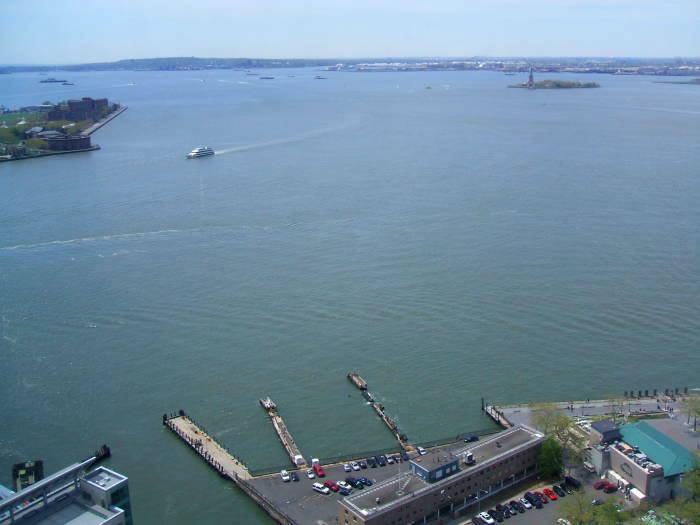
448, 244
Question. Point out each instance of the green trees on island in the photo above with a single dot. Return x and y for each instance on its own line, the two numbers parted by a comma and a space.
553, 422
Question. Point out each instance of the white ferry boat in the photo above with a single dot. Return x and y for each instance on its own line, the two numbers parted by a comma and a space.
202, 151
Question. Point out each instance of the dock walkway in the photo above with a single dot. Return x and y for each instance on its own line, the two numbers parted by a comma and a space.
283, 433
97, 125
213, 453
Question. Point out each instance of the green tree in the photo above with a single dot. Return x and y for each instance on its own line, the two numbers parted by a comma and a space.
550, 461
577, 509
608, 513
691, 407
36, 144
688, 504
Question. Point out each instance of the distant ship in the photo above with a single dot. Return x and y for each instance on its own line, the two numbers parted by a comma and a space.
319, 77
68, 84
201, 151
52, 80
267, 78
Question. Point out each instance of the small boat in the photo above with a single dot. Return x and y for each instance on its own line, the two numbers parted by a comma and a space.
201, 151
319, 77
268, 404
267, 78
68, 84
52, 80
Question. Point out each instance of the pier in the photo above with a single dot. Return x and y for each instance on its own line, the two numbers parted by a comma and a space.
360, 383
212, 452
283, 433
97, 125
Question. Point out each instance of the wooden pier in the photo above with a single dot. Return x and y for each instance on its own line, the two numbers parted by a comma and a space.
497, 416
283, 433
356, 380
379, 409
214, 454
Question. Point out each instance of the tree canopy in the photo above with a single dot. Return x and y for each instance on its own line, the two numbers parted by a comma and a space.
550, 461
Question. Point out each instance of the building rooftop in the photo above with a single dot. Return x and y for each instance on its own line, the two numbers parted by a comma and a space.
76, 514
604, 425
672, 456
104, 478
405, 485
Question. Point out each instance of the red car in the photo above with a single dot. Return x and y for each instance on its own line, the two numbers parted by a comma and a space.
550, 493
599, 484
319, 471
610, 488
332, 485
542, 497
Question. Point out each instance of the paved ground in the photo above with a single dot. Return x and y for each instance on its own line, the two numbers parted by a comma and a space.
520, 415
549, 513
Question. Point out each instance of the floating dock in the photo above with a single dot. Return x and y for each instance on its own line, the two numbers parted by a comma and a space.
283, 433
356, 380
360, 383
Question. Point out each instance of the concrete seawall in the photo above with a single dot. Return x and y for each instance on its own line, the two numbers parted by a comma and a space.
97, 125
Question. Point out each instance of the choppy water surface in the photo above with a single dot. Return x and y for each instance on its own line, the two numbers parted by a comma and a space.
449, 243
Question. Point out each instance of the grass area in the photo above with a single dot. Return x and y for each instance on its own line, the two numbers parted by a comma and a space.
13, 118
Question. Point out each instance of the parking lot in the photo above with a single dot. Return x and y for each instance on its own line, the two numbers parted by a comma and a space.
549, 513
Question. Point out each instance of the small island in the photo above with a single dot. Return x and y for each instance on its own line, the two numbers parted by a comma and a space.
692, 81
53, 129
553, 84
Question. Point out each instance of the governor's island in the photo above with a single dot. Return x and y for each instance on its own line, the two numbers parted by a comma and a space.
53, 129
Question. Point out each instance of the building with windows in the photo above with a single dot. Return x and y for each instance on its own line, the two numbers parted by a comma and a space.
646, 461
71, 496
446, 482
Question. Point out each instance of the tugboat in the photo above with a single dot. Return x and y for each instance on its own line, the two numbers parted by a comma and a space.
201, 151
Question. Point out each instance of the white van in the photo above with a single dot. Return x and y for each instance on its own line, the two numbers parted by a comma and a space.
320, 488
420, 450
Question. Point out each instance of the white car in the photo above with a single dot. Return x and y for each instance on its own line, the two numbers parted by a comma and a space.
320, 488
390, 460
562, 521
344, 485
421, 451
488, 519
355, 466
310, 473
285, 476
526, 503
346, 467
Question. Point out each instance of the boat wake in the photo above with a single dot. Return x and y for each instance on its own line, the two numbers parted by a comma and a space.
259, 145
96, 238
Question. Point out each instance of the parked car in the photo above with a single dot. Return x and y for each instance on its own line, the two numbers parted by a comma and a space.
526, 503
390, 460
365, 481
285, 476
363, 464
405, 455
486, 518
381, 460
597, 501
332, 485
471, 439
355, 466
549, 493
544, 499
610, 488
345, 492
320, 488
319, 471
562, 521
476, 520
560, 491
599, 484
294, 476
310, 473
517, 506
420, 450
344, 485
346, 467
497, 515
572, 482
371, 462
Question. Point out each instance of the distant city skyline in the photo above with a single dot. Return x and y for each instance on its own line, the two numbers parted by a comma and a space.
73, 32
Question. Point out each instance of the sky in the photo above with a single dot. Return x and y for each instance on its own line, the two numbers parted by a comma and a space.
79, 31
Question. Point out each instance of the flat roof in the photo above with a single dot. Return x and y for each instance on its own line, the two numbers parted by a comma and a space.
405, 485
76, 514
104, 478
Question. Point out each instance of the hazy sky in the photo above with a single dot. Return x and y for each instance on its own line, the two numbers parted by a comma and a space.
73, 31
